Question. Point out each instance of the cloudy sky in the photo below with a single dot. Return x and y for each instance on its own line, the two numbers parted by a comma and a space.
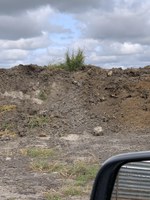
112, 33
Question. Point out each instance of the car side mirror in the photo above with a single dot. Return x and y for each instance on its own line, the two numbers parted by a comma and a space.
132, 182
125, 176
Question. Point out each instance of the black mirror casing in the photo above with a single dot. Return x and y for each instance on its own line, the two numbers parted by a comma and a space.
105, 179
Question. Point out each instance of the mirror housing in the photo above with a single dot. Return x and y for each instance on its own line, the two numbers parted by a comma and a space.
105, 179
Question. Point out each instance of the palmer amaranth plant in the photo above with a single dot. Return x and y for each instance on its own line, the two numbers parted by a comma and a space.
74, 61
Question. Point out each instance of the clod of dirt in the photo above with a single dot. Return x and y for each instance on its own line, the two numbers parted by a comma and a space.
110, 73
98, 131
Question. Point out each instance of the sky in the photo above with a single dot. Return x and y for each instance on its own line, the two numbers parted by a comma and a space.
112, 33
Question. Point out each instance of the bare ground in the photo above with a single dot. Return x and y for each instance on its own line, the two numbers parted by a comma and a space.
84, 116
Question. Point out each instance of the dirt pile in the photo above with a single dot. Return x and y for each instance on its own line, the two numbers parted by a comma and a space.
38, 100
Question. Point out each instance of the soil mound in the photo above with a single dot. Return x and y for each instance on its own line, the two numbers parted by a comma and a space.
38, 100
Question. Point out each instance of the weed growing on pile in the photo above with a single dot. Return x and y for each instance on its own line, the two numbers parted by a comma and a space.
73, 61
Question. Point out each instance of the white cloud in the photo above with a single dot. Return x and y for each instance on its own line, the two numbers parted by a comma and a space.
29, 24
128, 48
103, 59
23, 39
121, 25
28, 44
15, 6
113, 32
85, 44
13, 54
117, 48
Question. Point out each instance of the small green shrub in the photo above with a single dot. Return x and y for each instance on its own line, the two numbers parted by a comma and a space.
74, 61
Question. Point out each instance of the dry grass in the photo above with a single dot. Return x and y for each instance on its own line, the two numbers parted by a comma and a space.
7, 108
45, 166
65, 192
7, 133
37, 152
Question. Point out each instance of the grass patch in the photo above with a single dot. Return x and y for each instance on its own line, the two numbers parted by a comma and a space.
83, 172
42, 96
6, 126
38, 152
7, 133
80, 172
76, 178
41, 166
58, 66
44, 166
73, 191
64, 192
7, 108
37, 121
51, 196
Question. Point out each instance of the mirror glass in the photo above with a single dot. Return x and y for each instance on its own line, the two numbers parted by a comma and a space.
133, 182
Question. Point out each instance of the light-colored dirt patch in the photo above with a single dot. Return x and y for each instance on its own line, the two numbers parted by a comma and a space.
71, 137
20, 95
